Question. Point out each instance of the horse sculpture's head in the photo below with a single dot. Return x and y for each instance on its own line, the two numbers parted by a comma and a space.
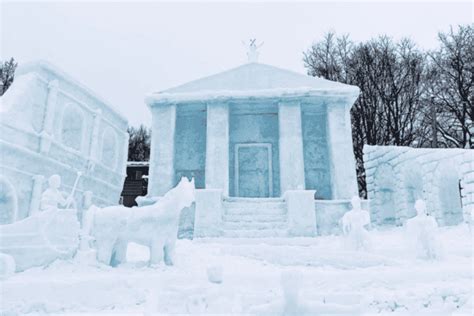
186, 191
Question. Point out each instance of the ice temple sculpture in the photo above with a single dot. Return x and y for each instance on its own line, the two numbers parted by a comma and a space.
51, 124
270, 149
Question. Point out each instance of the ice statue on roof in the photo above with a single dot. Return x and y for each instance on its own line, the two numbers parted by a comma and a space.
252, 53
422, 233
354, 225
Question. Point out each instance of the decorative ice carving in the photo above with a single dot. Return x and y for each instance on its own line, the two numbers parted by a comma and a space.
252, 53
422, 232
52, 197
214, 274
354, 223
154, 226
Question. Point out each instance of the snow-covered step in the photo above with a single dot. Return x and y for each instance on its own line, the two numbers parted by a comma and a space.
255, 233
239, 217
248, 208
254, 225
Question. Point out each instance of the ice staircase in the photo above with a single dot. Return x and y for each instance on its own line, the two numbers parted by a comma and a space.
254, 217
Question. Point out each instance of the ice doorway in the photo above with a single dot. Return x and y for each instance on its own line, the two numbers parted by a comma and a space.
253, 170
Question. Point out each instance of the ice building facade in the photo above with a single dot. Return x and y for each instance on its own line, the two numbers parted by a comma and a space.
262, 143
398, 176
51, 124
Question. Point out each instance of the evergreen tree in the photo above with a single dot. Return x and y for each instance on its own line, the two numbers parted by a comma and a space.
7, 74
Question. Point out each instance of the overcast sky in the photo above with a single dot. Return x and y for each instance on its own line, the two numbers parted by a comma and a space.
122, 51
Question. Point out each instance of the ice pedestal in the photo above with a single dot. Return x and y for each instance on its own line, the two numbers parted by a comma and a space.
208, 216
301, 213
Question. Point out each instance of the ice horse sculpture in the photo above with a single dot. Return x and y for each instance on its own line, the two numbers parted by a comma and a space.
154, 226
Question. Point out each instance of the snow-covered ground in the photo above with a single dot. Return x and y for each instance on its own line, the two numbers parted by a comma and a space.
332, 279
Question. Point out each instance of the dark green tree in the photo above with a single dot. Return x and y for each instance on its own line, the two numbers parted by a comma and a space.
7, 74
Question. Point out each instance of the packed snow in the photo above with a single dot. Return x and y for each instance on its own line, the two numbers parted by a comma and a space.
277, 276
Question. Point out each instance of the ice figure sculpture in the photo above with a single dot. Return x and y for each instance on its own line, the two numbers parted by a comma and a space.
422, 233
354, 223
52, 197
154, 226
252, 53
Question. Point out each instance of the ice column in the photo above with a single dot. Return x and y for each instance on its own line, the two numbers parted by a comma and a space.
217, 147
93, 153
46, 134
162, 149
291, 147
343, 170
36, 193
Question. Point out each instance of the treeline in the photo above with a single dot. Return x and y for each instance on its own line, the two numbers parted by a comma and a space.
139, 143
409, 97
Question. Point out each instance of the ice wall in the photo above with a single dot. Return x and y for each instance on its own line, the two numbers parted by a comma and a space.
52, 124
398, 176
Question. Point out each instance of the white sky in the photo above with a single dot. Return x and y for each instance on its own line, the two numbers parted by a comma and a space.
122, 51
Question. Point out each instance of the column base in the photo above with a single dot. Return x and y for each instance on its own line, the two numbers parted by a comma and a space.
301, 213
208, 216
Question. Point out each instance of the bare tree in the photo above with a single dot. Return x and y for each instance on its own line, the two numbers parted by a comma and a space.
139, 143
450, 82
390, 78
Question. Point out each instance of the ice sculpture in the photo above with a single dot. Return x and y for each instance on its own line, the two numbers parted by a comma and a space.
215, 274
154, 226
52, 197
41, 238
354, 223
422, 232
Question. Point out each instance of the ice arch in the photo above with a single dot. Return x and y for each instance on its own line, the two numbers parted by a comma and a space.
109, 148
413, 186
8, 202
385, 195
449, 193
72, 127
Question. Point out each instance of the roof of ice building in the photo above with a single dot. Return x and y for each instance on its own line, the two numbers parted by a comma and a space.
36, 65
252, 80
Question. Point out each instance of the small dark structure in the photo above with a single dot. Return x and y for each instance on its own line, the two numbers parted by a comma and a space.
136, 182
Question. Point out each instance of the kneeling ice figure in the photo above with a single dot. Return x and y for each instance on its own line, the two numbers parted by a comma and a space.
353, 225
52, 197
154, 226
422, 233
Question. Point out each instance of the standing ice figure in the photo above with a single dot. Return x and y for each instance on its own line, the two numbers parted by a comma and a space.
353, 225
422, 232
252, 54
52, 197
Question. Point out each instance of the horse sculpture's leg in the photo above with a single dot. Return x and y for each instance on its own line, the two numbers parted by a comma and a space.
156, 251
120, 253
104, 251
168, 250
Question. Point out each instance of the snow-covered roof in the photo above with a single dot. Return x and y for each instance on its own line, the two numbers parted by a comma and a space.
252, 80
